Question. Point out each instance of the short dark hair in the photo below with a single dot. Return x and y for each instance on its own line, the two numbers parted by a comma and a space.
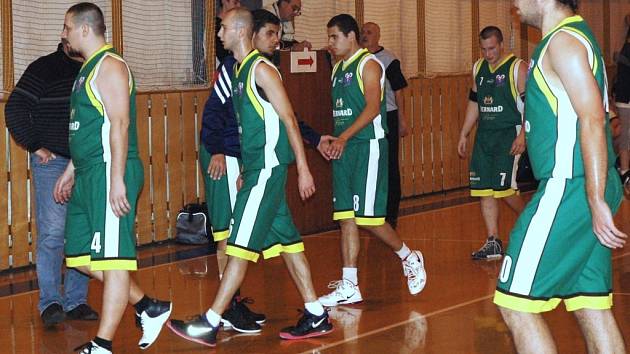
262, 17
572, 4
346, 24
86, 12
491, 31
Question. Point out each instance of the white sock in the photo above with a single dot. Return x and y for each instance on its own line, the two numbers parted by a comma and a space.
314, 307
351, 275
213, 318
403, 252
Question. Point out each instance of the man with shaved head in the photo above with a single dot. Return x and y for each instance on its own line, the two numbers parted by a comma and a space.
270, 141
396, 122
103, 179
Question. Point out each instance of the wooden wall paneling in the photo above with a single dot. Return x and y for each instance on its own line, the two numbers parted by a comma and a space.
406, 143
117, 25
422, 168
200, 102
189, 148
158, 166
437, 85
174, 136
432, 163
606, 45
422, 54
144, 209
422, 163
450, 133
474, 4
463, 90
6, 11
19, 205
4, 193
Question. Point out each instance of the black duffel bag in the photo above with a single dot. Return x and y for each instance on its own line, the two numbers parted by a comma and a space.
192, 226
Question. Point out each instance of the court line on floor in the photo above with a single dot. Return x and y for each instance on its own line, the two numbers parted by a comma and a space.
394, 325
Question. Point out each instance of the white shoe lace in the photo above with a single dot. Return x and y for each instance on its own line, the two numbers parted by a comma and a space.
338, 286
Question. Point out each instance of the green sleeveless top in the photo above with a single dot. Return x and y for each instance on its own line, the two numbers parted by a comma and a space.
552, 127
89, 123
348, 97
264, 140
497, 94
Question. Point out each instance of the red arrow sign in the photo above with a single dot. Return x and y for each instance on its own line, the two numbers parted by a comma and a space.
308, 61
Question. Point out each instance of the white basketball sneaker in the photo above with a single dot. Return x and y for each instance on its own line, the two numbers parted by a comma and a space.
345, 293
413, 268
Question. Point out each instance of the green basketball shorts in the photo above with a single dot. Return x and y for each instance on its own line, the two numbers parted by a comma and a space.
554, 255
95, 237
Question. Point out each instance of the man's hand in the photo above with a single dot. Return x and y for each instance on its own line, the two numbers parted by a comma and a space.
306, 185
301, 45
45, 155
63, 186
461, 146
604, 227
324, 145
118, 198
336, 148
216, 168
518, 146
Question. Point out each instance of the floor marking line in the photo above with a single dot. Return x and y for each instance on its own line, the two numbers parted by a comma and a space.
394, 325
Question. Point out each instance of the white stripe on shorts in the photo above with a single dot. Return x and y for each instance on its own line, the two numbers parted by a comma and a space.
372, 177
536, 237
252, 207
233, 170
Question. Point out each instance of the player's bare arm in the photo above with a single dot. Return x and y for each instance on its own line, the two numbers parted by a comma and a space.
519, 143
568, 59
472, 115
371, 76
269, 80
113, 84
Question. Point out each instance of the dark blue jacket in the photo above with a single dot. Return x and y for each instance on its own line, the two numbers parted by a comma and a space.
219, 129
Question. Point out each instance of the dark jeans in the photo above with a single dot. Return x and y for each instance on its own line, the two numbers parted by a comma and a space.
393, 198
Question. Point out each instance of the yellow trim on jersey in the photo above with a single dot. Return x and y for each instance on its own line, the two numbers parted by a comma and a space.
525, 305
250, 93
540, 81
221, 235
98, 105
481, 192
342, 215
242, 253
589, 302
477, 67
102, 49
79, 261
570, 19
513, 84
369, 221
113, 264
354, 57
493, 70
277, 249
238, 66
334, 70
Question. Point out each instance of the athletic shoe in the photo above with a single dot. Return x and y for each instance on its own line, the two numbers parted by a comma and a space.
234, 318
308, 326
197, 330
345, 293
413, 268
53, 314
151, 321
82, 312
625, 178
493, 248
241, 306
91, 348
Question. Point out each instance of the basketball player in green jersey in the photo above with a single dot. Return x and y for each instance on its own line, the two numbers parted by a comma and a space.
496, 107
360, 161
270, 140
103, 179
560, 247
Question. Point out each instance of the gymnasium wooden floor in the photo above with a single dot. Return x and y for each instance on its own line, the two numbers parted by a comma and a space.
454, 314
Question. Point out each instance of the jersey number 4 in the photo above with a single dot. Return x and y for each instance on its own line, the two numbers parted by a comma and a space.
96, 242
